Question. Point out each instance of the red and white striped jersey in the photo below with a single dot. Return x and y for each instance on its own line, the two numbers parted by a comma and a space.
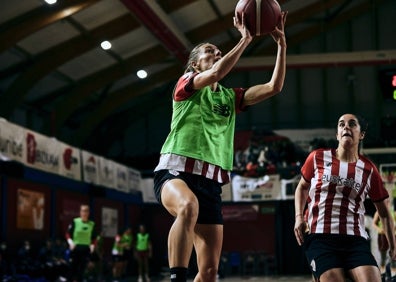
190, 165
337, 193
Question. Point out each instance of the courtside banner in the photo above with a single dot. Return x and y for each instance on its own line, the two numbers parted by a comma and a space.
90, 167
147, 189
109, 222
12, 142
246, 189
70, 162
289, 187
134, 180
121, 177
42, 153
226, 194
107, 173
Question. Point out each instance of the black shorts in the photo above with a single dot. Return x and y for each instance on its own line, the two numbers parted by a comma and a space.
207, 191
117, 258
128, 254
327, 251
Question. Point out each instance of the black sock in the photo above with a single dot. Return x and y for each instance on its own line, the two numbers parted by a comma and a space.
178, 274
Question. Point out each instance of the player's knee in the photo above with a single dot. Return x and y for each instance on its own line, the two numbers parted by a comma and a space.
208, 273
188, 210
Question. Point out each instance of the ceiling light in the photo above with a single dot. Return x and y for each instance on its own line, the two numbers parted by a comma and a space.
50, 1
141, 74
106, 45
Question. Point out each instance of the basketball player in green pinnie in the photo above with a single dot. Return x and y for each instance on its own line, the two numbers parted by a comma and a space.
197, 156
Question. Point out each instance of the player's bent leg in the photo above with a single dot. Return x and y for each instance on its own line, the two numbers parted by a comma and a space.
178, 199
333, 275
208, 241
365, 273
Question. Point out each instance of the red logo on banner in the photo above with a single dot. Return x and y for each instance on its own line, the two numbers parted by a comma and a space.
90, 165
91, 160
31, 148
68, 158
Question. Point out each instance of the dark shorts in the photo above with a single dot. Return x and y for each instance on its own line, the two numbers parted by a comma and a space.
207, 191
128, 254
327, 251
117, 258
141, 254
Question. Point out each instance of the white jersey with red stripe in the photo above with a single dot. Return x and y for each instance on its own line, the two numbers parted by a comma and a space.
337, 192
190, 165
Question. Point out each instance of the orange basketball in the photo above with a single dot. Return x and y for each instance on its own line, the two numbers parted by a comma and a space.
261, 16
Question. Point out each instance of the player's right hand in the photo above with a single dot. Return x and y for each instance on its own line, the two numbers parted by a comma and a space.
300, 229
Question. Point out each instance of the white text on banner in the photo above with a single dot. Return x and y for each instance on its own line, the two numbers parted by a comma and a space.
12, 142
263, 188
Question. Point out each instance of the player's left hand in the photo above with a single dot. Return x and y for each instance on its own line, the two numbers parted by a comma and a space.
241, 26
278, 34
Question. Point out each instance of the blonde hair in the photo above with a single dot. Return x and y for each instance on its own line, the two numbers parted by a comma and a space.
193, 57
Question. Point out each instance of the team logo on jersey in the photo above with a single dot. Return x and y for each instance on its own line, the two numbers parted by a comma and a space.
173, 172
221, 109
313, 265
341, 181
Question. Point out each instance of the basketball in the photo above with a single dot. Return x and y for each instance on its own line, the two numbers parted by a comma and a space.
261, 16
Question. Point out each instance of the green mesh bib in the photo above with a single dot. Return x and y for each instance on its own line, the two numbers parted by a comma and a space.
202, 127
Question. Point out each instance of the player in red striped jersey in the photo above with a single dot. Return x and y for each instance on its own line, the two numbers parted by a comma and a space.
333, 187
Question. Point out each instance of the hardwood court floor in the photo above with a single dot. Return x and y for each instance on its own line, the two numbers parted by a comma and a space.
275, 278
260, 279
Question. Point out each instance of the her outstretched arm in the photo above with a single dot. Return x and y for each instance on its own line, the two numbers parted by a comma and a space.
261, 92
225, 64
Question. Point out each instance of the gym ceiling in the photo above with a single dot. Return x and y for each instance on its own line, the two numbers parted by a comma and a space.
52, 65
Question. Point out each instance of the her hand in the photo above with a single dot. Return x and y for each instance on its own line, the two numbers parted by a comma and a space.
300, 229
279, 32
241, 26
